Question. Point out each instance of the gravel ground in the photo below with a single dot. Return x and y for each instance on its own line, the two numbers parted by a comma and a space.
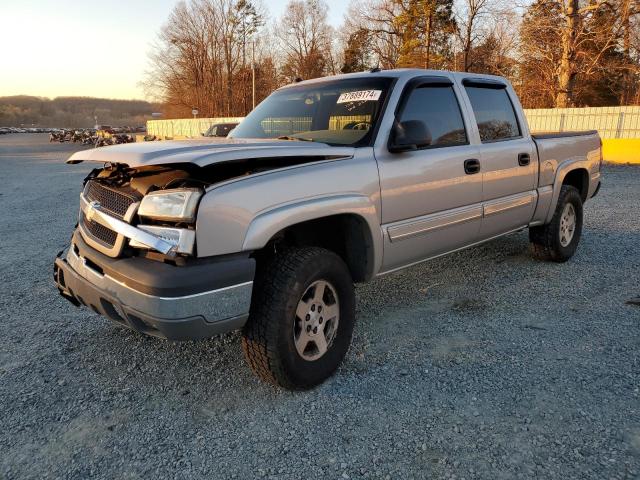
483, 364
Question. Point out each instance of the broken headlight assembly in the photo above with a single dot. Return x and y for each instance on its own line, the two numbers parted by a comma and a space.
174, 206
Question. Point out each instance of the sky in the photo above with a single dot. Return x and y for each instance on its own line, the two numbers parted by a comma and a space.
54, 48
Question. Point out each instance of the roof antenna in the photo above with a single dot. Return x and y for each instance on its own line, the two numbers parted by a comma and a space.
297, 79
375, 69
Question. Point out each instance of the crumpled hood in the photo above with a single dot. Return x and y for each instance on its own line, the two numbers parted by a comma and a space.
203, 152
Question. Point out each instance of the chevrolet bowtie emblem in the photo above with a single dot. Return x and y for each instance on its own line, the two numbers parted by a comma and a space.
92, 208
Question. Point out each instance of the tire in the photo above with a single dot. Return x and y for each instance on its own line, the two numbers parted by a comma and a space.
555, 241
287, 284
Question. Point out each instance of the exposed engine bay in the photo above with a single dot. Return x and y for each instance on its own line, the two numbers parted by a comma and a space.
143, 180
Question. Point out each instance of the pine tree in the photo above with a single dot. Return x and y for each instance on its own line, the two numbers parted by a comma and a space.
357, 52
426, 28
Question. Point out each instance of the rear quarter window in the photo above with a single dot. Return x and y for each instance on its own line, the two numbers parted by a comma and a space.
494, 113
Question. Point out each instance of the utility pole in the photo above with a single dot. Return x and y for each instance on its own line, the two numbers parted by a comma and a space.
253, 74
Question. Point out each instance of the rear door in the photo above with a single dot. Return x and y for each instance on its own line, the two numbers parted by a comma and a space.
430, 203
507, 155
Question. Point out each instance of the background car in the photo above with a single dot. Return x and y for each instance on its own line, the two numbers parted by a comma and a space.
219, 129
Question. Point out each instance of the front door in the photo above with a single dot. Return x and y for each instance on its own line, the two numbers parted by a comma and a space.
432, 196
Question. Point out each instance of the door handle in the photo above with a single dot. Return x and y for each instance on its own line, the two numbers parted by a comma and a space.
524, 159
471, 166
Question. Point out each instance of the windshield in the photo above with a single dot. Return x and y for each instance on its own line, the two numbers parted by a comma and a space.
219, 130
340, 112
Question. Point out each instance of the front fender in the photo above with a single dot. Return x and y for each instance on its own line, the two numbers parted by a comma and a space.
270, 222
245, 213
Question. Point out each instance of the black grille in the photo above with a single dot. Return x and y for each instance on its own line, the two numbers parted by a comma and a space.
104, 235
117, 202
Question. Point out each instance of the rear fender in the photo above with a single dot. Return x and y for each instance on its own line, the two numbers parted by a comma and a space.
562, 171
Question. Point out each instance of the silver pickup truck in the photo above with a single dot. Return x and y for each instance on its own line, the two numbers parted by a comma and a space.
326, 183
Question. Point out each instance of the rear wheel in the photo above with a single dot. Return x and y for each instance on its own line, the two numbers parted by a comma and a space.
558, 240
302, 318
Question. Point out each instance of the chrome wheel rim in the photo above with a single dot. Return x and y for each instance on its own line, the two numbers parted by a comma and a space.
567, 224
316, 322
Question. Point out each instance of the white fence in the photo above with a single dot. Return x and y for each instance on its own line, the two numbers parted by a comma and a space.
610, 122
185, 127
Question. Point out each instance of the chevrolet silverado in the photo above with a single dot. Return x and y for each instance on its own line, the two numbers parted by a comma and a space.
327, 182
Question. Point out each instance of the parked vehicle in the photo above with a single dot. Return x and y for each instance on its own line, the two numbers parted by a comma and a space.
6, 130
219, 129
119, 138
326, 183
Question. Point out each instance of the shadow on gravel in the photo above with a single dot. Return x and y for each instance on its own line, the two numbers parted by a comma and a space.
118, 358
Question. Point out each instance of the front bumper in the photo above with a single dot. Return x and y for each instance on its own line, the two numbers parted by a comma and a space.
189, 302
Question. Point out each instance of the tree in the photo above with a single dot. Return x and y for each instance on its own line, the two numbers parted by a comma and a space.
539, 54
555, 52
406, 33
426, 28
305, 38
630, 9
376, 17
491, 56
469, 16
249, 20
572, 54
200, 58
72, 112
579, 28
357, 52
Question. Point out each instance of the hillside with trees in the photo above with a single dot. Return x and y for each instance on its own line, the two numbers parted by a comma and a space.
557, 53
73, 112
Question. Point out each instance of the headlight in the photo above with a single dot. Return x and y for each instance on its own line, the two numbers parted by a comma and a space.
177, 205
181, 238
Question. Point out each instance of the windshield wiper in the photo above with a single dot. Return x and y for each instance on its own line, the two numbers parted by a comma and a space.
300, 139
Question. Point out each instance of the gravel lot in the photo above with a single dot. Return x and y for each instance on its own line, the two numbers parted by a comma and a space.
483, 364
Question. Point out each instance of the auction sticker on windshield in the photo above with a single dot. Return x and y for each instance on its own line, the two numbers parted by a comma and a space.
359, 96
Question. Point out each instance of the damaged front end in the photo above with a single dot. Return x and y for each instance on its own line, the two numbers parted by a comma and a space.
151, 210
134, 257
126, 211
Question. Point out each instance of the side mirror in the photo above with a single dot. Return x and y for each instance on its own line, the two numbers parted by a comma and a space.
409, 135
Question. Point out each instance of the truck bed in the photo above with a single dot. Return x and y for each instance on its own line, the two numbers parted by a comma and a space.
556, 151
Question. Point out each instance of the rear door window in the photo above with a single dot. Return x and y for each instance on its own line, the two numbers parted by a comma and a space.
494, 113
437, 107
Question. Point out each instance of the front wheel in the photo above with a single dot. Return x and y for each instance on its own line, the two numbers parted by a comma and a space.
558, 240
302, 318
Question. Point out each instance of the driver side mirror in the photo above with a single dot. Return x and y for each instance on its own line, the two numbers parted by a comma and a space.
409, 135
